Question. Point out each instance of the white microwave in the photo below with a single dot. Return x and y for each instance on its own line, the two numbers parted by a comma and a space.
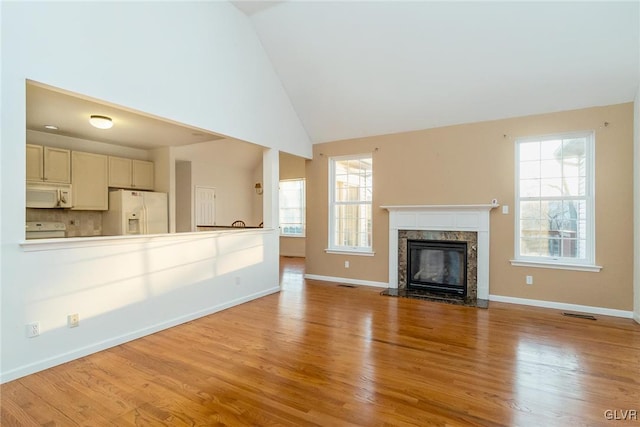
48, 195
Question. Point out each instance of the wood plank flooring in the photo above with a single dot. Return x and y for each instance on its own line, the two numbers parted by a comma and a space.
321, 354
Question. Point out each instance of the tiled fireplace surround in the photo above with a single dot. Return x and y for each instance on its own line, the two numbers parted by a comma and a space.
468, 223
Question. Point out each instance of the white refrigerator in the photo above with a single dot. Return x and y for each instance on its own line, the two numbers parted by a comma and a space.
135, 212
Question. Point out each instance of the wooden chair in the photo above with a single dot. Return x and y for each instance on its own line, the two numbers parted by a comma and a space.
238, 223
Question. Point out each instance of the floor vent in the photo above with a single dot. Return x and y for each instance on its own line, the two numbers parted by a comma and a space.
580, 316
342, 285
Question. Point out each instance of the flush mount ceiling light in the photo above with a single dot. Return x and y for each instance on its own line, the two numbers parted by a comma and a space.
101, 122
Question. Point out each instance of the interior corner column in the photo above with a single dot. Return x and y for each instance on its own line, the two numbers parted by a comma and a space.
271, 179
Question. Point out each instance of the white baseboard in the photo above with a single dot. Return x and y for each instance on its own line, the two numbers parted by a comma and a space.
347, 281
293, 254
112, 342
564, 306
636, 317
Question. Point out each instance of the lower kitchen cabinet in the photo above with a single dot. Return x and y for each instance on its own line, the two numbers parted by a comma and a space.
90, 181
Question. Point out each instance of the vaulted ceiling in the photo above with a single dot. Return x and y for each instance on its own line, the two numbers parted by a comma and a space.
355, 69
362, 68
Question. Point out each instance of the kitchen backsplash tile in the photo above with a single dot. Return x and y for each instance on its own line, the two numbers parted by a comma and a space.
79, 223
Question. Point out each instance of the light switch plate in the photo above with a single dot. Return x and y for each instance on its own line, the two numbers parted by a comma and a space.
505, 209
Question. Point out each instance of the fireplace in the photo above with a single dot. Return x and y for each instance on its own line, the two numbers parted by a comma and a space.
444, 223
437, 266
448, 260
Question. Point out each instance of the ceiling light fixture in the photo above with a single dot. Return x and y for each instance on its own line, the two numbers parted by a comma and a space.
101, 122
51, 127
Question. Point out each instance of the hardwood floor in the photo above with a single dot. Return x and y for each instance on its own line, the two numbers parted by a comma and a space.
321, 354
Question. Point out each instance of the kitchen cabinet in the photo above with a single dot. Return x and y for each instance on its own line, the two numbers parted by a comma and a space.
48, 164
130, 173
90, 181
142, 174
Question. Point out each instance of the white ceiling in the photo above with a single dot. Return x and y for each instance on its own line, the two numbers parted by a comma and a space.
355, 69
250, 7
70, 113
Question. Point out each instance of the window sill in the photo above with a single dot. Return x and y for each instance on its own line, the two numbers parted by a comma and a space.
556, 266
348, 252
293, 236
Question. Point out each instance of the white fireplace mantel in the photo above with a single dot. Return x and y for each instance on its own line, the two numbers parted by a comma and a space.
473, 218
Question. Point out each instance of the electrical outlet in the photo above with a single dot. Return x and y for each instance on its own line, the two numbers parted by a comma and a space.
529, 280
73, 320
346, 264
32, 329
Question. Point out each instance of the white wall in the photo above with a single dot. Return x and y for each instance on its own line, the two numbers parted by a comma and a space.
124, 290
198, 63
636, 206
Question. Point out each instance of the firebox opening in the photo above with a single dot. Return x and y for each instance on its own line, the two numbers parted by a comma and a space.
437, 266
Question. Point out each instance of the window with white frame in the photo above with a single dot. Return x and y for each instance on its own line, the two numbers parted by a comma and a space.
292, 207
554, 199
350, 202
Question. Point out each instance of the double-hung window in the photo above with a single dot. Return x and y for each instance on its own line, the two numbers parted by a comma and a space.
292, 207
554, 201
350, 203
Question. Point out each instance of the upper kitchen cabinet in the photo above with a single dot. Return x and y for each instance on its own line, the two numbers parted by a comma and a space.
129, 173
90, 181
143, 174
48, 164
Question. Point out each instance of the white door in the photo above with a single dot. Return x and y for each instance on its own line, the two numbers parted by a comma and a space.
205, 206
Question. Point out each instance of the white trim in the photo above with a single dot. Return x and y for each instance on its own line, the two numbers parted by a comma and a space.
346, 252
556, 266
84, 242
486, 207
332, 202
102, 345
636, 317
589, 197
303, 208
345, 280
563, 306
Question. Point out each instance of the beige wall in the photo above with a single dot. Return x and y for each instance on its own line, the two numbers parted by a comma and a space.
292, 167
472, 164
230, 167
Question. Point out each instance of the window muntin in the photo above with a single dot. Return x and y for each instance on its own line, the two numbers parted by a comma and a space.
292, 207
350, 200
554, 190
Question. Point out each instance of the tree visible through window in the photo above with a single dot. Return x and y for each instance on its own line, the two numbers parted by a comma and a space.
292, 207
350, 199
555, 199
